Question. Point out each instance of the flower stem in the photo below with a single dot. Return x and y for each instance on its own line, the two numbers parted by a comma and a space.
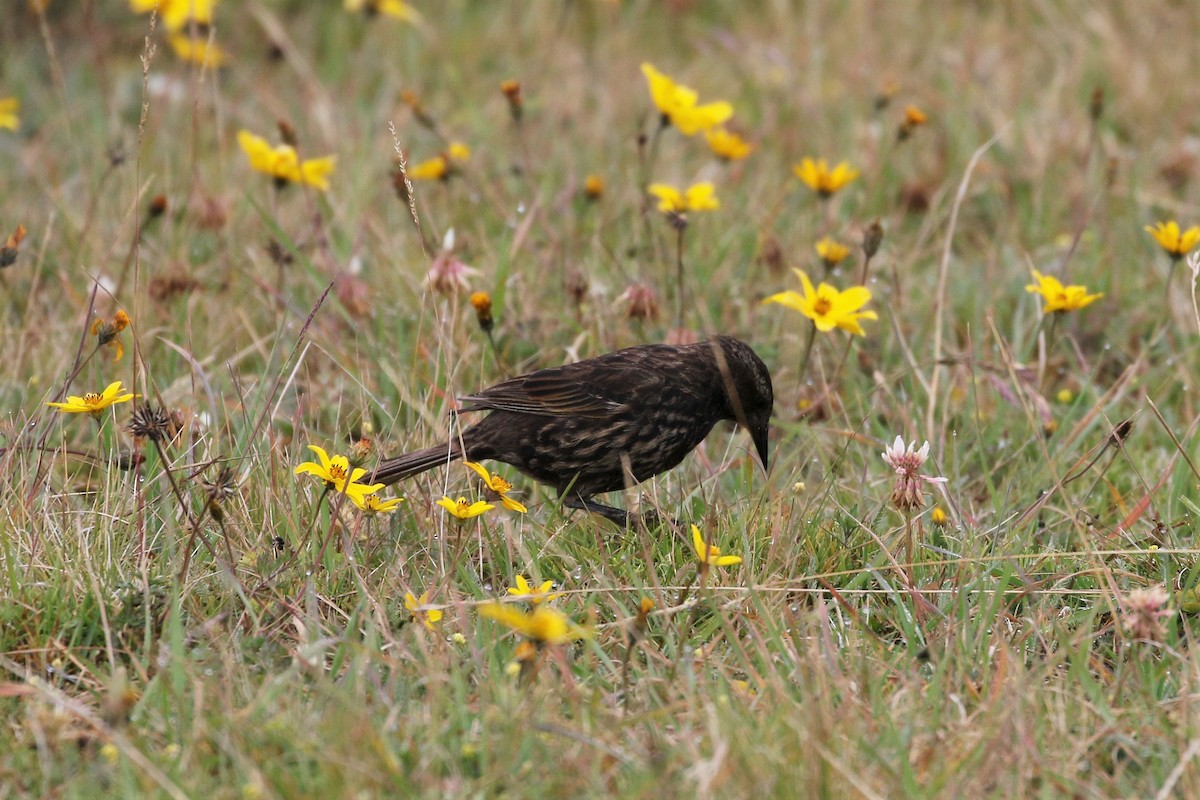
808, 348
679, 278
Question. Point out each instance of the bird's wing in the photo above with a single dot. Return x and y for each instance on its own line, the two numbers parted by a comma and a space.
595, 388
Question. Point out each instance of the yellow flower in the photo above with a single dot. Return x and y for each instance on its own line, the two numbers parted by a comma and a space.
525, 591
698, 197
826, 306
107, 333
177, 14
1169, 237
728, 146
371, 503
92, 403
938, 516
388, 8
11, 247
282, 163
831, 252
544, 625
441, 167
338, 475
710, 554
9, 109
197, 51
913, 119
677, 104
464, 510
498, 485
593, 187
817, 176
1058, 297
426, 616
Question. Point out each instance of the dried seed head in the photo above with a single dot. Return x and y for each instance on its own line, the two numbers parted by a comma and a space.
150, 422
872, 239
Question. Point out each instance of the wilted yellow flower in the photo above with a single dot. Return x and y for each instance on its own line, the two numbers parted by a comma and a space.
827, 307
710, 554
913, 119
697, 197
482, 303
92, 403
1171, 239
727, 145
593, 187
525, 591
387, 8
464, 510
831, 252
11, 247
1058, 297
337, 474
544, 625
197, 51
107, 333
817, 176
177, 14
498, 486
283, 164
10, 108
371, 503
415, 605
678, 104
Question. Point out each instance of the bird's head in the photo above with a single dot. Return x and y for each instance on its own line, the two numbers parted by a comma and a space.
748, 390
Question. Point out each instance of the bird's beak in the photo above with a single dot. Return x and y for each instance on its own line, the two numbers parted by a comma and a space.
759, 435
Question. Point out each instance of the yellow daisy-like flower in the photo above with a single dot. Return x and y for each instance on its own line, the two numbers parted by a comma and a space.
1058, 297
525, 591
93, 403
371, 503
464, 510
498, 485
1177, 243
827, 307
177, 14
710, 554
817, 176
283, 164
336, 472
416, 607
831, 252
441, 167
727, 145
544, 625
678, 104
387, 8
697, 197
197, 51
10, 108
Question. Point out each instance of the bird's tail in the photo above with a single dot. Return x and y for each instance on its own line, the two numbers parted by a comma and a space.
409, 464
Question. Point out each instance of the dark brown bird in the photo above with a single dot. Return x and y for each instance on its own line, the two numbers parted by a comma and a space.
599, 425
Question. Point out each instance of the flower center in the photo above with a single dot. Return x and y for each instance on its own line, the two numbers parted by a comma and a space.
822, 306
91, 399
338, 473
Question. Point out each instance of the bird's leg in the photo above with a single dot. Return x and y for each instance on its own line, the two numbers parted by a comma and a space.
617, 516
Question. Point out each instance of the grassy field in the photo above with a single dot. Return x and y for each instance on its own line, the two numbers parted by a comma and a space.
181, 615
